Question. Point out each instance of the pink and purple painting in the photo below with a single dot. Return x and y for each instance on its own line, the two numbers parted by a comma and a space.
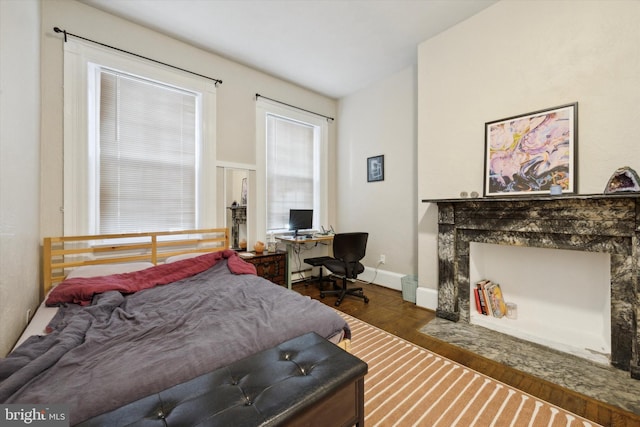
526, 154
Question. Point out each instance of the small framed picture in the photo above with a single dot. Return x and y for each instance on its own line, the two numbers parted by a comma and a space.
529, 153
375, 168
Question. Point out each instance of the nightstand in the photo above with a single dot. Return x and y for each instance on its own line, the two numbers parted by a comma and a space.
270, 265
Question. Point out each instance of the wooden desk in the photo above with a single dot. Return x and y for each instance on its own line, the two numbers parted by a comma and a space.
292, 242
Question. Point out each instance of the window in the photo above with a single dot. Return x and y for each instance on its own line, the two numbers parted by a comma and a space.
139, 145
148, 157
290, 169
291, 159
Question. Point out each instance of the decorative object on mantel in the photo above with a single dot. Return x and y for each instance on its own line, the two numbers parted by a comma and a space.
556, 189
464, 194
624, 179
524, 153
375, 168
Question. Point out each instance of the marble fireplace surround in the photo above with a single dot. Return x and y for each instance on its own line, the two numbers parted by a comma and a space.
607, 223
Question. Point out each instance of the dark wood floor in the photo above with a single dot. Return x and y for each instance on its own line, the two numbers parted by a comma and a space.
388, 311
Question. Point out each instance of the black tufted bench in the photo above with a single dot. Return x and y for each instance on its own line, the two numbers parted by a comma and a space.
304, 381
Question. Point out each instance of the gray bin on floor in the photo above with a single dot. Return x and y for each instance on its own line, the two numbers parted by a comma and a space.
409, 286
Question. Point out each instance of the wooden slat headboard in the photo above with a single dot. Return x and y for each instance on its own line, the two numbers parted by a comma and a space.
60, 254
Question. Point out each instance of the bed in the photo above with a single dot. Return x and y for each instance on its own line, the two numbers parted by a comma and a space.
133, 314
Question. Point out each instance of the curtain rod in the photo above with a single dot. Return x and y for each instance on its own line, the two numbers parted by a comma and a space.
293, 106
58, 30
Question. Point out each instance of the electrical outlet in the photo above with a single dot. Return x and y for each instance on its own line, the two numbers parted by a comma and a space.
28, 315
382, 259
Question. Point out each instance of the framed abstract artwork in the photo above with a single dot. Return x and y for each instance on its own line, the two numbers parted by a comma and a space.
375, 168
526, 154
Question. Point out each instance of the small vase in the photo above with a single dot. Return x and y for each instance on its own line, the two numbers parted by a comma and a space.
258, 247
555, 190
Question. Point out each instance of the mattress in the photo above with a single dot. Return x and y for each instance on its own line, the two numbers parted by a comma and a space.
43, 315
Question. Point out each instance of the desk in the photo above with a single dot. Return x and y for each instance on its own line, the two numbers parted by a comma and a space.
292, 242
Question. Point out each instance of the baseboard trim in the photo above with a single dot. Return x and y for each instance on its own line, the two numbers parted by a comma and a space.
427, 298
388, 279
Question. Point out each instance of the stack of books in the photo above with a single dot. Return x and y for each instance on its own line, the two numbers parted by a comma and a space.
489, 299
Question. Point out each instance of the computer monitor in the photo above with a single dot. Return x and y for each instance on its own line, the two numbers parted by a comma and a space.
300, 219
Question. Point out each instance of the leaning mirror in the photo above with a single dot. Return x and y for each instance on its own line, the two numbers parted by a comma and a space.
234, 186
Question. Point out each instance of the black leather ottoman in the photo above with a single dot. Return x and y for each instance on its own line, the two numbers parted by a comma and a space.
304, 381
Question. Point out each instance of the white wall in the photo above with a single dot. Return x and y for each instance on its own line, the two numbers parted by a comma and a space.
380, 119
19, 165
513, 58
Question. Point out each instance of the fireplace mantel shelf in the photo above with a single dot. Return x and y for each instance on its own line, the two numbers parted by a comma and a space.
607, 223
539, 197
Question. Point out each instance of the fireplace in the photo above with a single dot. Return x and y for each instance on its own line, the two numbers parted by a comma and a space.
562, 297
591, 223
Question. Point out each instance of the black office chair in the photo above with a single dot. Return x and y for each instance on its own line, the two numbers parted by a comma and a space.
348, 250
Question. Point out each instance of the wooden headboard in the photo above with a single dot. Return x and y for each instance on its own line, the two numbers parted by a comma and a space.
60, 254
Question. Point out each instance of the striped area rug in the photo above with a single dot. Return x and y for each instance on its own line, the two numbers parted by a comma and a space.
410, 386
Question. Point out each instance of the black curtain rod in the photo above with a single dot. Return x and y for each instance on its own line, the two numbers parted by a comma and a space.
293, 106
58, 30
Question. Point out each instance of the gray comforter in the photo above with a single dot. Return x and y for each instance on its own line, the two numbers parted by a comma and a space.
122, 348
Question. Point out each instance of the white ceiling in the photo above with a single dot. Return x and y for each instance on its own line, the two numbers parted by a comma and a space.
334, 47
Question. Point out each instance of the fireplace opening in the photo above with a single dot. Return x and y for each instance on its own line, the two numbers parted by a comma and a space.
563, 296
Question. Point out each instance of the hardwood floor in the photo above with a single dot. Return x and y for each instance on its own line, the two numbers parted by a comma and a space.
388, 311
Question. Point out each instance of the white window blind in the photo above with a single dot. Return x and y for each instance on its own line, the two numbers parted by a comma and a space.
148, 155
291, 166
290, 169
139, 144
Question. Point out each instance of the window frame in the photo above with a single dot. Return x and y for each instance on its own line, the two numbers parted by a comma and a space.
80, 158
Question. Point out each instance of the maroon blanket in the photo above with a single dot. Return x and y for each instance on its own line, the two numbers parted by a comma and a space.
80, 290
